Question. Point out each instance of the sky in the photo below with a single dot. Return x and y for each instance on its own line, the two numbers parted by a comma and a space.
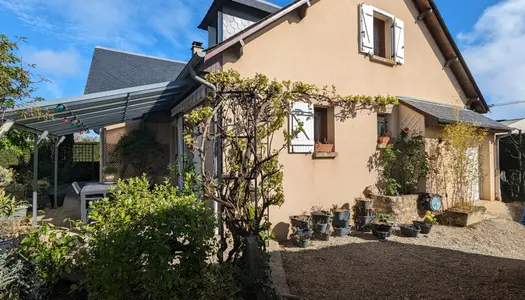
63, 33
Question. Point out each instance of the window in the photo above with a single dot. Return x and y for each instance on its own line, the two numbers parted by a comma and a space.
379, 37
382, 125
381, 34
316, 126
320, 125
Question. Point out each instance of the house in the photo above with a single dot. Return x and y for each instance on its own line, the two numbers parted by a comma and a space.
400, 48
395, 47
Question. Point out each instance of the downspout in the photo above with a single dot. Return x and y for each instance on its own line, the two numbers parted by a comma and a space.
218, 149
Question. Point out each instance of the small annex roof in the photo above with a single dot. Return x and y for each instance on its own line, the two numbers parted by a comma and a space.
97, 110
447, 114
113, 69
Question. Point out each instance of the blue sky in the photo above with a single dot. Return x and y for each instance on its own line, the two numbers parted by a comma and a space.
63, 33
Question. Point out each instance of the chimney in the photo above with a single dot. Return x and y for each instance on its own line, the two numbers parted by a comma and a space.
196, 47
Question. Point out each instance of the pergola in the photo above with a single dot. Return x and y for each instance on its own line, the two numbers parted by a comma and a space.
92, 111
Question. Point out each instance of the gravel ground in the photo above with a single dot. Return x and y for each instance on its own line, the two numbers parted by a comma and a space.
486, 261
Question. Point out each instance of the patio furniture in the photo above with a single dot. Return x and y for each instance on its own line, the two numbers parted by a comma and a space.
91, 192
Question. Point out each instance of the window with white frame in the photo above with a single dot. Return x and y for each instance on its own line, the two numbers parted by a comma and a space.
315, 125
381, 34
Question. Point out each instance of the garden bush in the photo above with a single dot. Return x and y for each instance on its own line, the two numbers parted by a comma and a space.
152, 244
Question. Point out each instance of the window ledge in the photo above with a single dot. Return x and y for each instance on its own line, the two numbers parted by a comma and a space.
383, 60
325, 155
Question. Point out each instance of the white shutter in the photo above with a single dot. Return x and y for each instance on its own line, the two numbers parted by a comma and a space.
399, 41
366, 29
302, 113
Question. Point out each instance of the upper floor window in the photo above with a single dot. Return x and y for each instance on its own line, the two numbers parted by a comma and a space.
381, 34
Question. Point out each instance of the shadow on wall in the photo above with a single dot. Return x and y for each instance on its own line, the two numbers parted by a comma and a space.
390, 270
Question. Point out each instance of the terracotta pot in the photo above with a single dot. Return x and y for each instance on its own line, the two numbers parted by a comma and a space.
324, 147
383, 140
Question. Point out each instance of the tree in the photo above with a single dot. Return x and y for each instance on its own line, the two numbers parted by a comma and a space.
17, 81
240, 121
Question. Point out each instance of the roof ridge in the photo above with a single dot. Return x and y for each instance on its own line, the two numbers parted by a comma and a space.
138, 54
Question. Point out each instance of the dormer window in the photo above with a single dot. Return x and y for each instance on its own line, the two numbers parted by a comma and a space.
381, 34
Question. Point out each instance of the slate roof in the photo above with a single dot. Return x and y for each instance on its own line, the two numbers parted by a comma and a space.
449, 114
112, 70
258, 8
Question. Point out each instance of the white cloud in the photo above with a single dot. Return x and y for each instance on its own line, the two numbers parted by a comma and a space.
55, 63
494, 53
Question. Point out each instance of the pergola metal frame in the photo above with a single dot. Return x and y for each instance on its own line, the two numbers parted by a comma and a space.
91, 111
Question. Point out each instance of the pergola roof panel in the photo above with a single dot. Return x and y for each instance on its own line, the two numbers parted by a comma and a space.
105, 108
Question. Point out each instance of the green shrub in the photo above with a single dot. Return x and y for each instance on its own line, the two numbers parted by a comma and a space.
52, 250
18, 278
150, 244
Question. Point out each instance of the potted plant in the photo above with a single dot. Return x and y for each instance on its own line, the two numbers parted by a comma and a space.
383, 140
302, 237
300, 222
323, 146
382, 225
111, 174
320, 216
341, 221
409, 230
426, 224
321, 223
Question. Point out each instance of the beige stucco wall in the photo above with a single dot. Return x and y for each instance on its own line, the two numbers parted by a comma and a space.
323, 49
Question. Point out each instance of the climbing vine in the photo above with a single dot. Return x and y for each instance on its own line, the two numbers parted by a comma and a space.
240, 122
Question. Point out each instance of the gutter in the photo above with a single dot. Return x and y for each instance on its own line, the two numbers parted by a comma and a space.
218, 144
458, 53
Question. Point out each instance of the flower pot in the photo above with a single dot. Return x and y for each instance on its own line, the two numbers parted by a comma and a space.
11, 243
303, 243
111, 177
304, 232
300, 222
320, 216
341, 223
364, 207
425, 228
324, 147
363, 222
321, 227
382, 235
409, 230
340, 232
382, 141
376, 228
323, 237
341, 215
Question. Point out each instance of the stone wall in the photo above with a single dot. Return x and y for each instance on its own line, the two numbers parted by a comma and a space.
403, 208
